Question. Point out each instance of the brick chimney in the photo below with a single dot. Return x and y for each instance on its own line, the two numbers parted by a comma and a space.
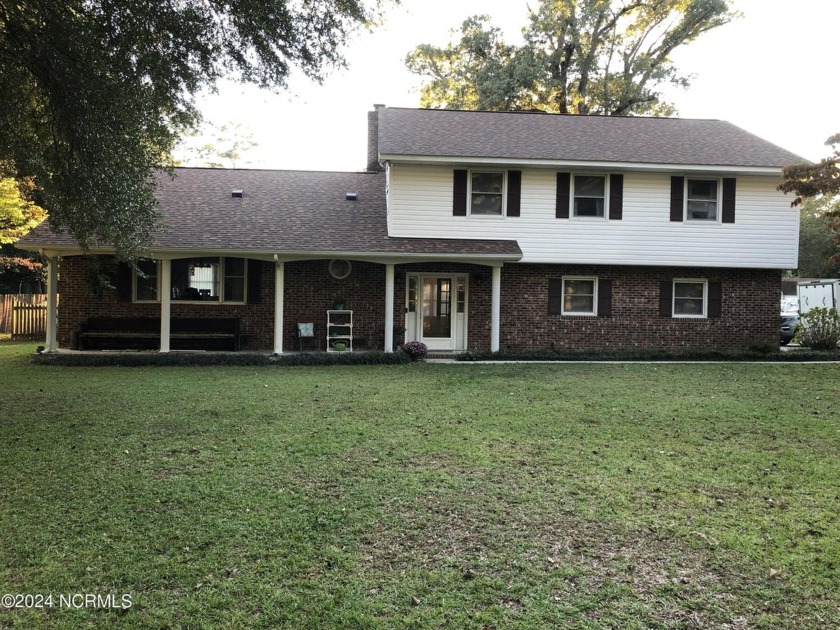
373, 139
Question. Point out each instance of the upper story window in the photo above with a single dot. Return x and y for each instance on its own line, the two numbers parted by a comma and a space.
709, 199
598, 196
701, 199
487, 193
589, 195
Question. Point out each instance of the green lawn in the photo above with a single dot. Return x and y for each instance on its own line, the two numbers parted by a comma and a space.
423, 496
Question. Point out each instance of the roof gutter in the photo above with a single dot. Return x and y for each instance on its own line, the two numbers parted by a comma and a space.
289, 255
583, 164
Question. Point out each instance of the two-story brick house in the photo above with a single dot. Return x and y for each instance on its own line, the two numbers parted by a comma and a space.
472, 230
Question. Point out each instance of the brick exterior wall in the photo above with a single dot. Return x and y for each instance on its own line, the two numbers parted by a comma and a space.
750, 306
749, 310
311, 291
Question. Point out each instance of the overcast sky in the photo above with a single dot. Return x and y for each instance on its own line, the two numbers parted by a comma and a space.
772, 72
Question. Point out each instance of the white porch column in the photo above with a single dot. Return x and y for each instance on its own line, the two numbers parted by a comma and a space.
495, 308
52, 304
279, 282
165, 303
389, 307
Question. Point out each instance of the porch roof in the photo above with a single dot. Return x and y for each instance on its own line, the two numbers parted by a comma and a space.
292, 212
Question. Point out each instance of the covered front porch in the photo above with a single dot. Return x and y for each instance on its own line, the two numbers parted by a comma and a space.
449, 303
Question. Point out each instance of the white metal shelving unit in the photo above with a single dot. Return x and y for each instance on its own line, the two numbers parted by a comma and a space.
339, 330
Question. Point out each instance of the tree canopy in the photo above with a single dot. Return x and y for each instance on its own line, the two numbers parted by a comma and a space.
18, 215
819, 182
218, 146
579, 56
817, 242
813, 180
94, 93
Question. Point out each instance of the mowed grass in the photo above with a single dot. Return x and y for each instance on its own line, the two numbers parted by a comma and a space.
423, 496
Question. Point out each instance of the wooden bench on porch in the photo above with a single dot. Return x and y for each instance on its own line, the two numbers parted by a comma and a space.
205, 333
143, 333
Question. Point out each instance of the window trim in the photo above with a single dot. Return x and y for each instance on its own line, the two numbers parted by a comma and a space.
594, 311
705, 283
718, 200
572, 214
157, 284
221, 300
504, 192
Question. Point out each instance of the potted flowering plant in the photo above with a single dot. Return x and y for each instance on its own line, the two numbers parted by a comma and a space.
415, 349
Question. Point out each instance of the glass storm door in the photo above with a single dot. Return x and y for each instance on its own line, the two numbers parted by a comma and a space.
436, 311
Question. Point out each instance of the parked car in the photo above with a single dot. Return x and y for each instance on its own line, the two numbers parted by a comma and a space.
787, 327
788, 320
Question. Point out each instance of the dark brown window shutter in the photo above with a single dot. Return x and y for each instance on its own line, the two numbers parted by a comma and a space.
616, 197
255, 269
555, 297
728, 200
514, 193
715, 299
564, 185
124, 281
459, 197
605, 297
677, 189
666, 294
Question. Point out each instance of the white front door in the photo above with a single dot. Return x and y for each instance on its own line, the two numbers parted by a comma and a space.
436, 311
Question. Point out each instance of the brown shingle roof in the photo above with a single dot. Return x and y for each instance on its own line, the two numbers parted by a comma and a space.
282, 211
525, 135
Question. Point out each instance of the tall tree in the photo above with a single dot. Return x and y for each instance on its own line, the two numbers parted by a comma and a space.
18, 215
820, 182
217, 147
580, 56
817, 241
94, 93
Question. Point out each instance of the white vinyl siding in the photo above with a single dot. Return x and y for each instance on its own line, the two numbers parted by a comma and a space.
765, 233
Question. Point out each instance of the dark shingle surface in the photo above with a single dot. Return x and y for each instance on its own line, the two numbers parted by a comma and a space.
520, 135
282, 211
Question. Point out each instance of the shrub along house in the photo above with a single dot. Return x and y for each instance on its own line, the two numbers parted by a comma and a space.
484, 230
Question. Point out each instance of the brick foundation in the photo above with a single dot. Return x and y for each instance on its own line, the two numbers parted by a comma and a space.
750, 306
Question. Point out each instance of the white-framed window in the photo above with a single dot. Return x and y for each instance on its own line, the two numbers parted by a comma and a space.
487, 193
146, 281
702, 199
209, 279
589, 196
580, 296
690, 298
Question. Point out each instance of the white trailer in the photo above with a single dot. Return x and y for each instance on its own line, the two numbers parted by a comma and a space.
822, 293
